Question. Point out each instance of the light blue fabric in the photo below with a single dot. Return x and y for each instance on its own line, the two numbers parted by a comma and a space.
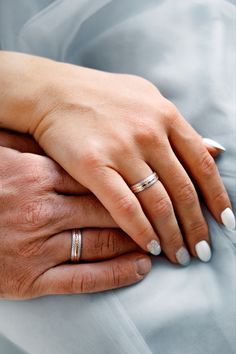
187, 49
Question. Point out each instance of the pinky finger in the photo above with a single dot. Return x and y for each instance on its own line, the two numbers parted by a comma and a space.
93, 277
213, 147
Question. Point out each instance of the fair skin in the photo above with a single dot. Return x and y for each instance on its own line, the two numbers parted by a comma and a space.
109, 131
35, 258
37, 211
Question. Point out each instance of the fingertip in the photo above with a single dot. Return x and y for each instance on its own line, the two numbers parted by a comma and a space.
214, 144
203, 251
213, 151
183, 257
228, 219
143, 265
154, 247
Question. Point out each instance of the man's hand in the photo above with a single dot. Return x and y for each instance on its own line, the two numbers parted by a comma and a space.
37, 212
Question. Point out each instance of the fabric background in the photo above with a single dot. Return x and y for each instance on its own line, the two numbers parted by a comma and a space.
187, 49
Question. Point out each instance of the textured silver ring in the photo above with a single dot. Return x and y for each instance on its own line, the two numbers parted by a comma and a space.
76, 245
144, 183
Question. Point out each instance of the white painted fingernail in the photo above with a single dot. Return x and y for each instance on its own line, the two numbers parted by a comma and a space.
213, 144
154, 248
228, 219
203, 251
183, 256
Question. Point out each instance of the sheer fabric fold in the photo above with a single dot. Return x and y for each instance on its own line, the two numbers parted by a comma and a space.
187, 49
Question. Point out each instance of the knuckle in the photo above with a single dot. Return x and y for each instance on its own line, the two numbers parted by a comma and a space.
35, 214
104, 242
91, 159
98, 244
207, 165
125, 205
86, 283
140, 82
116, 276
162, 207
186, 194
144, 232
30, 248
170, 111
220, 197
112, 244
147, 135
109, 242
198, 229
33, 172
175, 240
74, 284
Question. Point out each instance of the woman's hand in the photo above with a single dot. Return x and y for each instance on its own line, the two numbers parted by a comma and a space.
35, 237
110, 131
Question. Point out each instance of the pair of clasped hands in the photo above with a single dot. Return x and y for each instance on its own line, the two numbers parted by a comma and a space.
93, 135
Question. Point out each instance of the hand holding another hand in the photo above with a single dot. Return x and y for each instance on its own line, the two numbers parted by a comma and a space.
35, 242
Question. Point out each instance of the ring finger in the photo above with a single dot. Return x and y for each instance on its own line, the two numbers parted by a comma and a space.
97, 244
158, 207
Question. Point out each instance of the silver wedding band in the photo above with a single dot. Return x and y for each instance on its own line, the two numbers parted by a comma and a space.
76, 245
144, 183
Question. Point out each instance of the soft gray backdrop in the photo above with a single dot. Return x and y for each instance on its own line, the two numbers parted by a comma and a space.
187, 49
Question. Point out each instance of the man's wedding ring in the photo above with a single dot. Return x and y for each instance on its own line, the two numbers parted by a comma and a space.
76, 245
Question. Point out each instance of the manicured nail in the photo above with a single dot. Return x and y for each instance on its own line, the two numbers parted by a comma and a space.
228, 219
154, 248
143, 265
213, 144
203, 251
183, 256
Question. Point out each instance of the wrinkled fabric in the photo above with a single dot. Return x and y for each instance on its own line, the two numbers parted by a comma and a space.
187, 49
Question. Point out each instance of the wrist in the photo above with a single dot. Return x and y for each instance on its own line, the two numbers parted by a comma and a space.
24, 90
